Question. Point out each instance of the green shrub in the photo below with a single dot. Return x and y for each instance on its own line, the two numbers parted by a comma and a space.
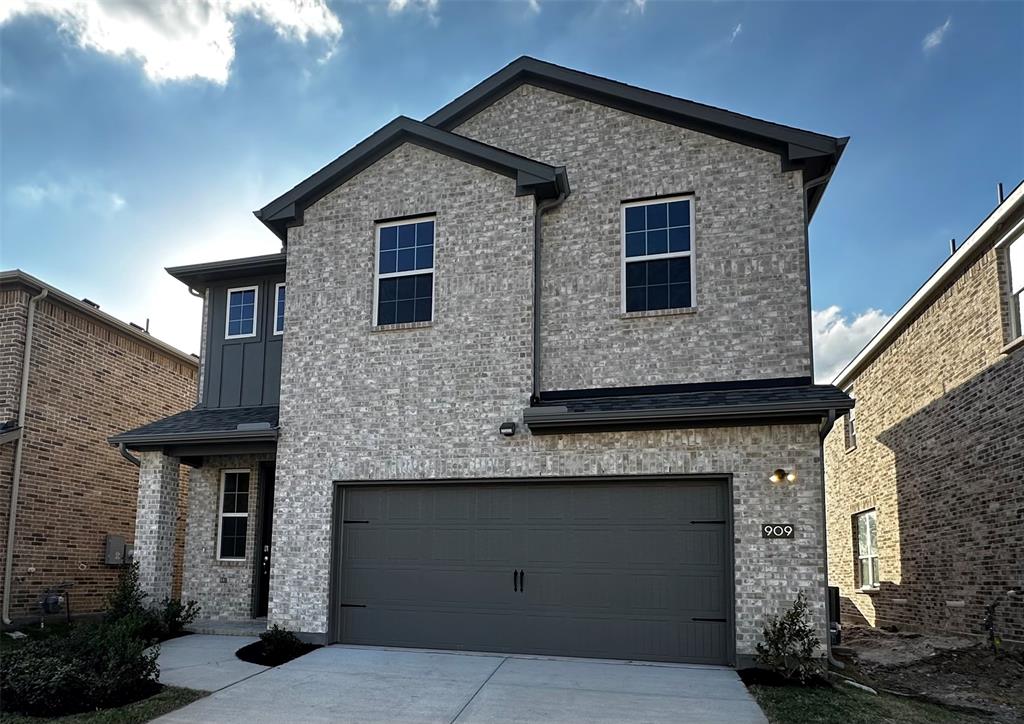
127, 604
95, 666
790, 644
281, 644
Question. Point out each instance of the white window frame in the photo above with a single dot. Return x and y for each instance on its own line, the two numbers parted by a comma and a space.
1015, 301
850, 424
654, 257
255, 311
221, 515
377, 276
873, 585
277, 301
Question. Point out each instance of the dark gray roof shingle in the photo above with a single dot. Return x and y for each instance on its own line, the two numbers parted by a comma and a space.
204, 423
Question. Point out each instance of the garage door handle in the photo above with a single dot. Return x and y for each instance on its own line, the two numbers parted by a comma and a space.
515, 580
522, 575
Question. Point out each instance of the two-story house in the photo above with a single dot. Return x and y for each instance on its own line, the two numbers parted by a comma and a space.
926, 481
544, 385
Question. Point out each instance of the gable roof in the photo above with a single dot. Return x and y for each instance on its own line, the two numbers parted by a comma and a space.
91, 310
938, 282
816, 153
532, 177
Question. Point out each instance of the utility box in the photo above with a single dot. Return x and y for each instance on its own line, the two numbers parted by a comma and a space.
115, 550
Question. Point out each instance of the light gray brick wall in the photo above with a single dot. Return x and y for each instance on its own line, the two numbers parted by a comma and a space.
223, 589
155, 523
363, 404
749, 244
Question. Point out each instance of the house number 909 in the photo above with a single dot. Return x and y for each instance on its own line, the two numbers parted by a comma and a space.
777, 530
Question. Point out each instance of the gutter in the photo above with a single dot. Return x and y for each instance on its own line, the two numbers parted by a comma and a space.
123, 449
538, 237
158, 439
823, 430
20, 443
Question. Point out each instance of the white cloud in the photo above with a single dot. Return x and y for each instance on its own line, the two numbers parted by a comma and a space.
736, 31
838, 338
934, 39
74, 193
640, 5
534, 5
397, 6
177, 39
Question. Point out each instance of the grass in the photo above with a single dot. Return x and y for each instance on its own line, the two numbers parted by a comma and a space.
166, 700
845, 705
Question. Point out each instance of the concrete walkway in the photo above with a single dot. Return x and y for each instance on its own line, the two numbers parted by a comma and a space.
204, 662
359, 684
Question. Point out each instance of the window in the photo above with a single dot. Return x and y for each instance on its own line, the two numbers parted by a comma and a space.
279, 309
850, 424
657, 255
1015, 254
234, 515
867, 548
405, 272
241, 316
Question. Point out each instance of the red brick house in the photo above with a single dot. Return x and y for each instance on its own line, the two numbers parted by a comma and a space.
89, 376
925, 477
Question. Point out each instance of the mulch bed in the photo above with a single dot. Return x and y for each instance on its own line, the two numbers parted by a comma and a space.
256, 653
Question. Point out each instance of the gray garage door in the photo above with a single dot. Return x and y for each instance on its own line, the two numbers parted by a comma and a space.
628, 571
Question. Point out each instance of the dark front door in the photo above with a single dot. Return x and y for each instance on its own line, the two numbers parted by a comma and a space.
265, 540
633, 570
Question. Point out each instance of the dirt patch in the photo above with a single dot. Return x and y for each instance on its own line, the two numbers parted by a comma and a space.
956, 671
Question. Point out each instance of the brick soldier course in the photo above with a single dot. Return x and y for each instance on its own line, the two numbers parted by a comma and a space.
939, 451
90, 376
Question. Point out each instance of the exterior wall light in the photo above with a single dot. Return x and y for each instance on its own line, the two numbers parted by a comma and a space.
508, 429
781, 476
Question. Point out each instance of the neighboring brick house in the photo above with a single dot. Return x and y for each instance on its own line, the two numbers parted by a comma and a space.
925, 478
541, 356
89, 375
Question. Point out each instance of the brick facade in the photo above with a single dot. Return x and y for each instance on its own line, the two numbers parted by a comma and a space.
89, 380
426, 402
939, 457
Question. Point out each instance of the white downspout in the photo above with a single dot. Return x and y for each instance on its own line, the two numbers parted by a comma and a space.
16, 477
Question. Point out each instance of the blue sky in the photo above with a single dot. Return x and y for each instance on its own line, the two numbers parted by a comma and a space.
136, 136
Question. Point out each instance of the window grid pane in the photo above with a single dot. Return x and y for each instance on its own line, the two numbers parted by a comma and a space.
402, 296
658, 228
658, 284
241, 312
279, 312
234, 517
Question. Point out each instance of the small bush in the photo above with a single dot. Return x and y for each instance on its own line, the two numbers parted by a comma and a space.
276, 646
127, 603
790, 644
95, 666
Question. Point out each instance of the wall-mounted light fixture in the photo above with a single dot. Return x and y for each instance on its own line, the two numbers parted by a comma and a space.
781, 476
508, 429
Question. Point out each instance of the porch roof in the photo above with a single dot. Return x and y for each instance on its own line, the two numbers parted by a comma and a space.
205, 425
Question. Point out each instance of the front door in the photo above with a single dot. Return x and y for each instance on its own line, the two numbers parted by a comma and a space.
265, 538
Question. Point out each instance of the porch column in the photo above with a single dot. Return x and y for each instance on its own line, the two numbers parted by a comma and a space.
155, 523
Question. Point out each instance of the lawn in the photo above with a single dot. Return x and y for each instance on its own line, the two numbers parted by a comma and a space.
166, 700
845, 705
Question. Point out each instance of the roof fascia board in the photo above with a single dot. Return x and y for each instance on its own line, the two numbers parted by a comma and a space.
659, 106
554, 421
286, 209
180, 438
935, 284
16, 276
197, 276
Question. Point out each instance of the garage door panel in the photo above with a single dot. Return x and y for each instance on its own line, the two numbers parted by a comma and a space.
618, 571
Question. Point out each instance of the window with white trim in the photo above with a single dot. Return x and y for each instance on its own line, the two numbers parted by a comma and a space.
279, 309
1015, 255
866, 527
404, 284
657, 254
850, 424
233, 517
240, 320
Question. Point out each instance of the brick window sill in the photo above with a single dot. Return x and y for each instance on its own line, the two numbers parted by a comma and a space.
868, 591
658, 313
399, 327
1015, 344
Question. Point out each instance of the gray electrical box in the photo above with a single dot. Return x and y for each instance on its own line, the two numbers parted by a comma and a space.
115, 550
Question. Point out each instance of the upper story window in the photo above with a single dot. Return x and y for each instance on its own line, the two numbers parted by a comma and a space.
241, 316
1015, 254
279, 309
850, 424
657, 254
405, 271
866, 526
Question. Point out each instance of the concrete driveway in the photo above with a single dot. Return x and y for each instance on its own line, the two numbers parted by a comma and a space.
357, 684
